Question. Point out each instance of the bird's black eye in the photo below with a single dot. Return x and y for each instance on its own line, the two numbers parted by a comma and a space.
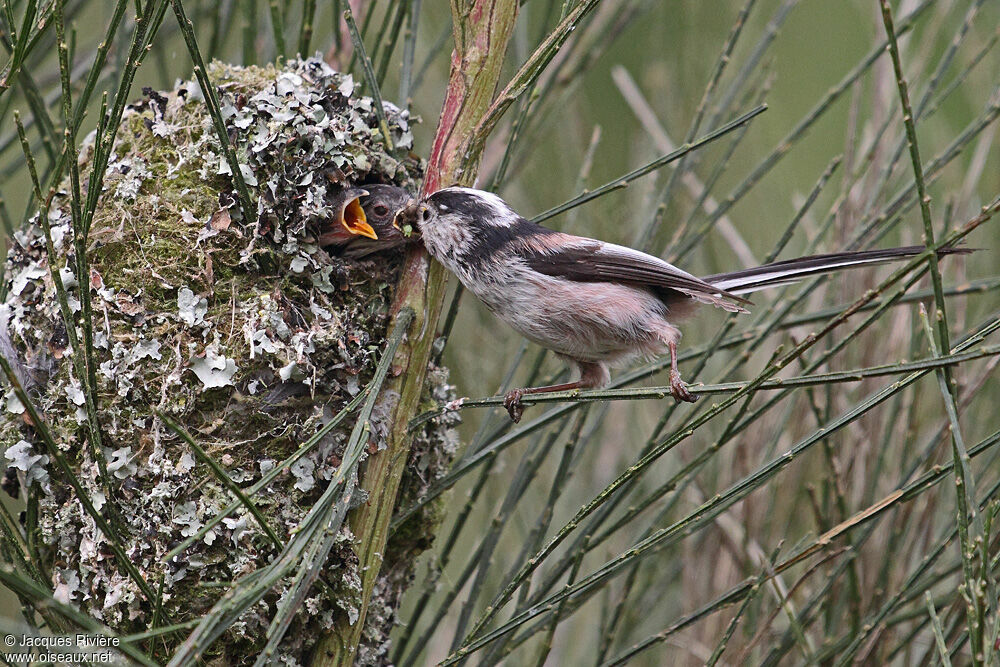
381, 210
425, 214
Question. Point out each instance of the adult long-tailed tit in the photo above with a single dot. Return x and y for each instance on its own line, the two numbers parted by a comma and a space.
594, 304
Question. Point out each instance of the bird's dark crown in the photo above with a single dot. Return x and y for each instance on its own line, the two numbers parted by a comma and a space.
491, 225
478, 207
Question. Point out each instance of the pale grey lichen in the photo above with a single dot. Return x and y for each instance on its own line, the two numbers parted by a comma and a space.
22, 457
249, 335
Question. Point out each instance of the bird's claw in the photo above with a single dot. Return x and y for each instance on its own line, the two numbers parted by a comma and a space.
512, 401
679, 390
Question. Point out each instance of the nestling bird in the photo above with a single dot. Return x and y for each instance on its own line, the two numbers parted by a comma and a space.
365, 220
594, 304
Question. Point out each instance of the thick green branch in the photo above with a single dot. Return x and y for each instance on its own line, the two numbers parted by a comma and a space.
482, 31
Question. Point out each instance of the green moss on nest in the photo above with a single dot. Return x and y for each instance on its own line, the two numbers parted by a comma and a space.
248, 334
149, 243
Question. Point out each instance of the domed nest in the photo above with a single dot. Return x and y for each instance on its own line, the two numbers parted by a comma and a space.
251, 336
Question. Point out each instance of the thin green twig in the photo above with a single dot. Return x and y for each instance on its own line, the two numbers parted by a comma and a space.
224, 478
277, 27
964, 480
269, 476
373, 89
662, 392
55, 453
214, 110
625, 179
309, 545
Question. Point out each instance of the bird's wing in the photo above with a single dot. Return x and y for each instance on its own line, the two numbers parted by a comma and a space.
588, 260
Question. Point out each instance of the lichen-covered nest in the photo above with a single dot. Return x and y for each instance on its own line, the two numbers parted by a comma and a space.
249, 335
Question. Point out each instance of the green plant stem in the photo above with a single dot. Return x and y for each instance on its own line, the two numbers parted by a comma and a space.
223, 477
964, 481
942, 647
662, 392
675, 438
113, 539
409, 48
309, 568
277, 27
20, 49
43, 599
306, 30
725, 56
88, 371
268, 477
530, 70
624, 180
309, 545
370, 78
214, 110
481, 34
713, 507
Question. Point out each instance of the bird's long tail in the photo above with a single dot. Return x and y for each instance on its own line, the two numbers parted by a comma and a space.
793, 270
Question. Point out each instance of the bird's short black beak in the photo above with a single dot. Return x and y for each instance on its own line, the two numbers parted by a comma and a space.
407, 218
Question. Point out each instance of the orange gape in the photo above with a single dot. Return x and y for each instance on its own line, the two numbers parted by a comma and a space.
364, 220
355, 221
350, 220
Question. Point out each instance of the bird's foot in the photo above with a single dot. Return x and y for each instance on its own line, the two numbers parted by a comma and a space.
679, 390
512, 401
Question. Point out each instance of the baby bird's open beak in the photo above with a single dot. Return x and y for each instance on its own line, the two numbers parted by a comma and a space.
352, 215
